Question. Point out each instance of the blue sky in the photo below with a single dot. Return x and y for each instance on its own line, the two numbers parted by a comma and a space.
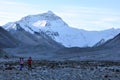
82, 14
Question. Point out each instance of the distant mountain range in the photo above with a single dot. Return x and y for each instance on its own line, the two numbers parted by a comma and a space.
108, 51
47, 36
53, 26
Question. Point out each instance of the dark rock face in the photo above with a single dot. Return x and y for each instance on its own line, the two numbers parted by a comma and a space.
32, 42
6, 40
36, 39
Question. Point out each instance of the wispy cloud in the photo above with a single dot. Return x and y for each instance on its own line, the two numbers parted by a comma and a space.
90, 18
12, 11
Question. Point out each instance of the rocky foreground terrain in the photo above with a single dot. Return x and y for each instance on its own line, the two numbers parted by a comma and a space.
61, 70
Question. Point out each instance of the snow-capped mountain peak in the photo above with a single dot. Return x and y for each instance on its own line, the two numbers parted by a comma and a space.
50, 12
49, 20
44, 16
52, 25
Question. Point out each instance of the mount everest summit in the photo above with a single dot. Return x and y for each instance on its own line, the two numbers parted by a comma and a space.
53, 26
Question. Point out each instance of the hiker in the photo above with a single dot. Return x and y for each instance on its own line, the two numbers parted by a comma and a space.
21, 63
29, 63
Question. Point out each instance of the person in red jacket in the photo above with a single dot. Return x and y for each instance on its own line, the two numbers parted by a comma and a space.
29, 63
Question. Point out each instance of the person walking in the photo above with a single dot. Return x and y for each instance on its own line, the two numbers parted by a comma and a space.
21, 63
29, 63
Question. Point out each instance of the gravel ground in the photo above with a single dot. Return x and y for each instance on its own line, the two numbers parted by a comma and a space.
65, 71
